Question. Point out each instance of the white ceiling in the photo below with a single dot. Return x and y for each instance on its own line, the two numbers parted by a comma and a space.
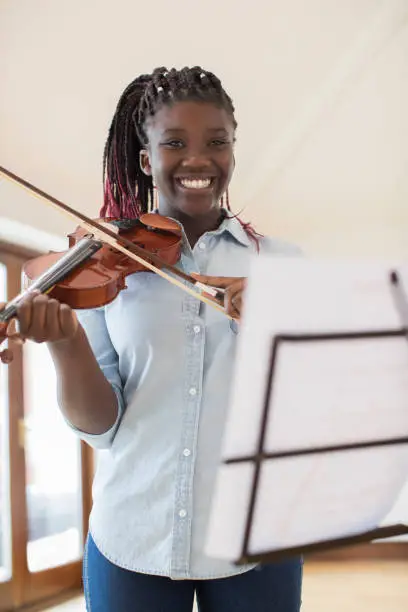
320, 88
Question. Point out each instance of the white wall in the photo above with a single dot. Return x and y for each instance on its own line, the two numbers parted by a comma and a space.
320, 88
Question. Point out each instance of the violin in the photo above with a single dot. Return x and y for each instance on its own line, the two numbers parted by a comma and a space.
100, 254
92, 273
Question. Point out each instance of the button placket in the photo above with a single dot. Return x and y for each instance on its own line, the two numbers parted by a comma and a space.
192, 398
201, 253
195, 339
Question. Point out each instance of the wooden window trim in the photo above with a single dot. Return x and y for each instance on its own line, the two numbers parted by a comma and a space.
21, 252
27, 588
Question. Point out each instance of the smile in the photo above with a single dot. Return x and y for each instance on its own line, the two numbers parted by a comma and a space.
202, 183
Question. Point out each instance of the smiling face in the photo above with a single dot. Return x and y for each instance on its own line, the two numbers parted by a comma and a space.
190, 156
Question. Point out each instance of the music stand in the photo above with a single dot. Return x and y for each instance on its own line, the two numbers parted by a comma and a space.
261, 456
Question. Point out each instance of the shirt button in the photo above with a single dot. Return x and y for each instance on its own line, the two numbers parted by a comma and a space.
186, 452
197, 329
182, 514
193, 391
202, 246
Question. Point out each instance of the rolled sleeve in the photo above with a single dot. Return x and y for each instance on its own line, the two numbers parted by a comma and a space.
94, 325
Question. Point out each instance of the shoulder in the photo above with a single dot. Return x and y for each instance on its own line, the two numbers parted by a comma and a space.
277, 246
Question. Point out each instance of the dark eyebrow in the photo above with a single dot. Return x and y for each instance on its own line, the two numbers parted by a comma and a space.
176, 130
173, 130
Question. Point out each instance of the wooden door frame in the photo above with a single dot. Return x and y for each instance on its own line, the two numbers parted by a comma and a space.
26, 587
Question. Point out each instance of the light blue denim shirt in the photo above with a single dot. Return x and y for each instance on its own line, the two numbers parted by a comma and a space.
170, 361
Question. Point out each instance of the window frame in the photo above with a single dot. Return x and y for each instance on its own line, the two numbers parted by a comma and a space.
25, 587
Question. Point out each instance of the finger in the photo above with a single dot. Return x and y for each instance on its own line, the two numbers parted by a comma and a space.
235, 308
229, 303
37, 330
12, 328
235, 293
68, 321
17, 339
24, 311
6, 356
234, 298
13, 332
52, 327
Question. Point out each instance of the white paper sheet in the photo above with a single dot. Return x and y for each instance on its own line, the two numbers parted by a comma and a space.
330, 392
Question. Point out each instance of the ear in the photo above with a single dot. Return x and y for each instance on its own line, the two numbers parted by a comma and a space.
144, 161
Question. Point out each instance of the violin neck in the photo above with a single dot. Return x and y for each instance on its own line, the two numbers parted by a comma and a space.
73, 258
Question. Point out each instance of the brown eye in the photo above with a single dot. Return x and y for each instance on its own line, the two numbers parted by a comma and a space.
219, 142
173, 144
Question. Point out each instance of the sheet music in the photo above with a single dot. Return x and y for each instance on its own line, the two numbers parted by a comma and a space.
330, 392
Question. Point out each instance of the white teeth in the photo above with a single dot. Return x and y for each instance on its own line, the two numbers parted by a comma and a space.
195, 183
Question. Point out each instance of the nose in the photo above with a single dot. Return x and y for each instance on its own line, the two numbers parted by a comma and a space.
196, 159
196, 162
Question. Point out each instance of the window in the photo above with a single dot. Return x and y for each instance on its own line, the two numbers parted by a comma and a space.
45, 471
5, 544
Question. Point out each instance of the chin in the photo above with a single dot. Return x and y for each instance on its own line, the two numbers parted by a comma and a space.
196, 208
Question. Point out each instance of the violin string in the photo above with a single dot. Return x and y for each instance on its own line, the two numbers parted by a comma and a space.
175, 281
116, 242
91, 224
54, 274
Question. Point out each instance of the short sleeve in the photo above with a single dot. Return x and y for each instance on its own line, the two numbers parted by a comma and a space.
94, 325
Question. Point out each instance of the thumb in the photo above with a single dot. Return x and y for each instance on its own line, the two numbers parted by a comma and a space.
13, 332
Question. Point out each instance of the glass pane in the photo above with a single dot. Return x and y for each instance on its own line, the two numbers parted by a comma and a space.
5, 532
53, 469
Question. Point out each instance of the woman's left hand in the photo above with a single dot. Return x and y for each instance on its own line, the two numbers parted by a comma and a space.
234, 288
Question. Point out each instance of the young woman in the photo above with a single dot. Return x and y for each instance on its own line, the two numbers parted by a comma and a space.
146, 379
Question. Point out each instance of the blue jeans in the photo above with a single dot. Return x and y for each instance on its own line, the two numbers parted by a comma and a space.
269, 588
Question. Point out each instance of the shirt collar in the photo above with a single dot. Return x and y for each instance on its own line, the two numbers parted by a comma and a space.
231, 225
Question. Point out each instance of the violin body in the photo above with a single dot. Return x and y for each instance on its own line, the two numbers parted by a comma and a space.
99, 279
93, 270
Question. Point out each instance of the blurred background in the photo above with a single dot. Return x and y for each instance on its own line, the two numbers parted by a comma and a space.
321, 92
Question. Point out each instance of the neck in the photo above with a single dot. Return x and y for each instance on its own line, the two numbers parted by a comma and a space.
195, 227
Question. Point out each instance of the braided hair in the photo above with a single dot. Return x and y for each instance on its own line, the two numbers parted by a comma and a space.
128, 191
